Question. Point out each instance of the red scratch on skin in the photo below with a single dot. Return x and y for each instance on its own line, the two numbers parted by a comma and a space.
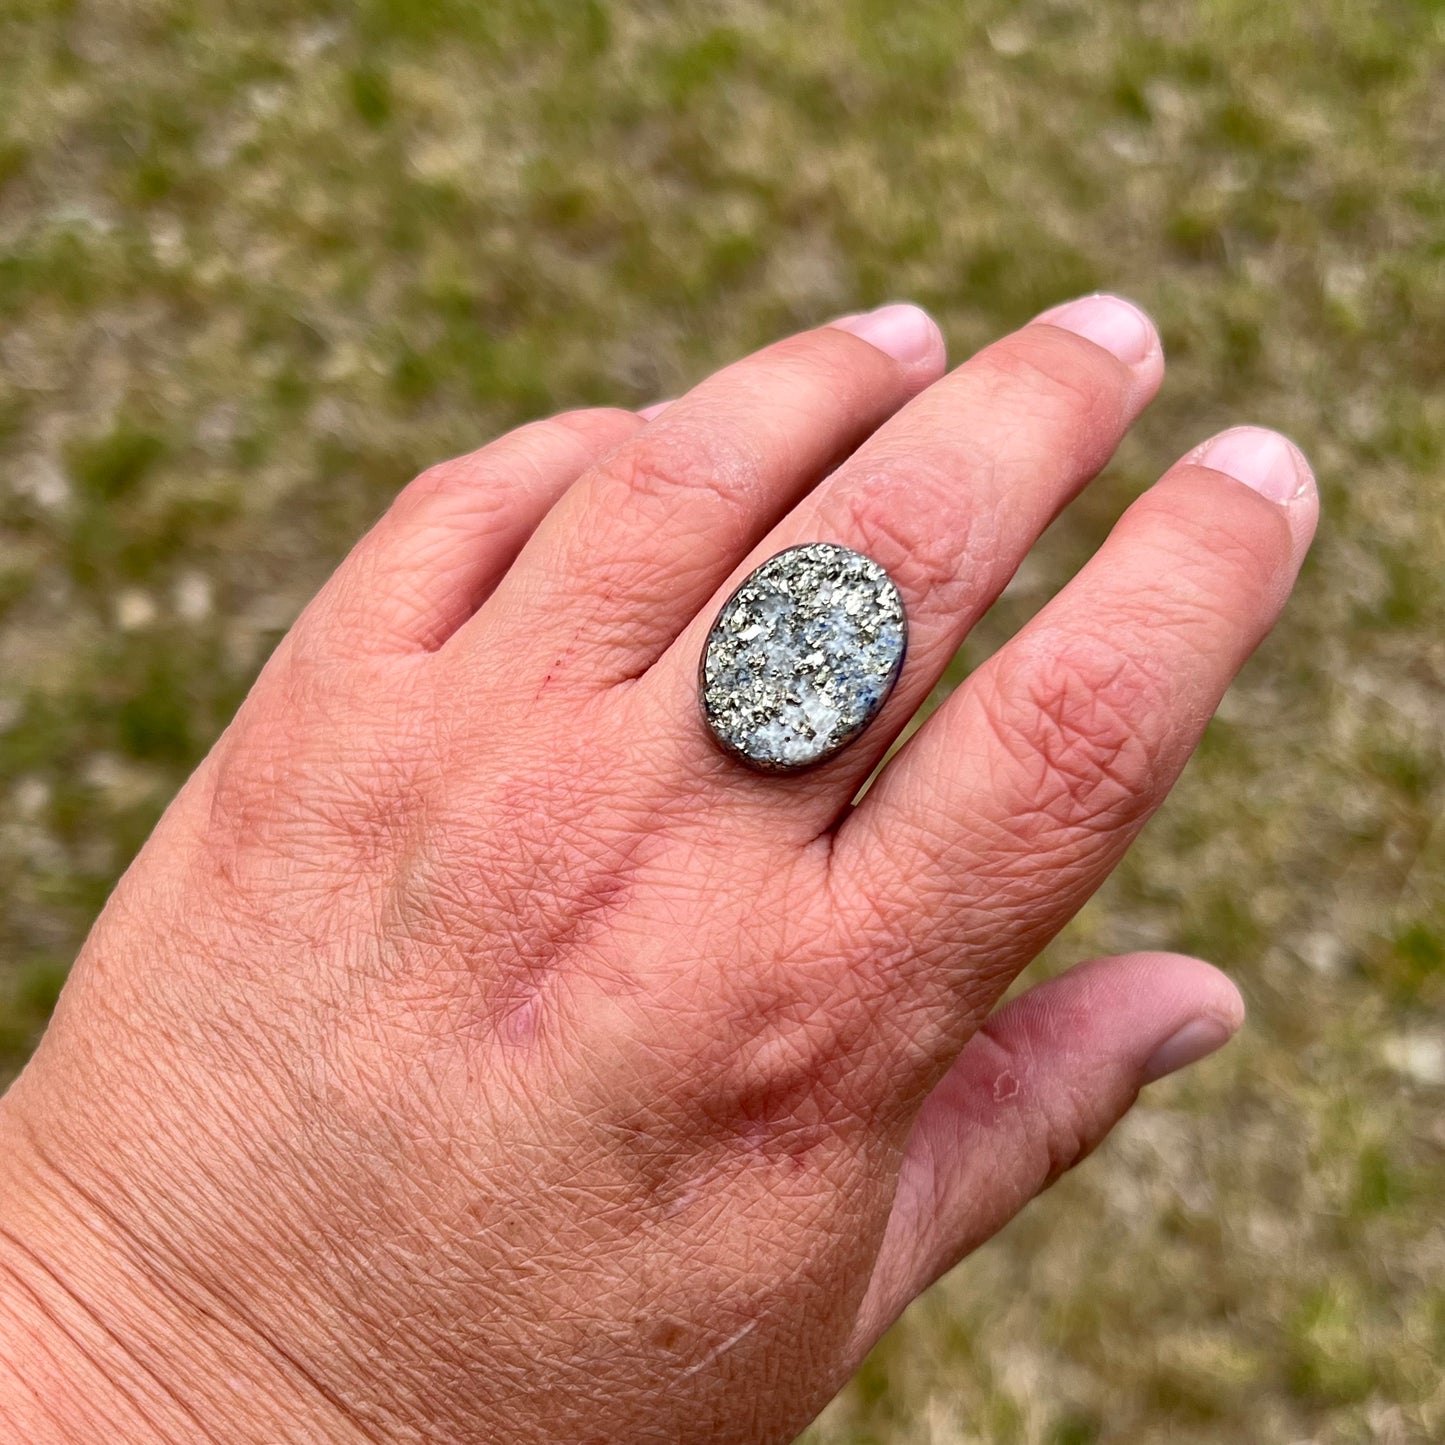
1005, 1087
552, 672
607, 595
557, 666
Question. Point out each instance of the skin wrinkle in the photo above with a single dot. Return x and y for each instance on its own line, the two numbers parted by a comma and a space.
923, 562
133, 1397
1071, 729
37, 1377
1055, 367
213, 1307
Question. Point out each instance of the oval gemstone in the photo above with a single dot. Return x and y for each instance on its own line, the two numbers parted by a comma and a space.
802, 657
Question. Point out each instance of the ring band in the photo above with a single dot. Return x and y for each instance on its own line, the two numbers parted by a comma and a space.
802, 657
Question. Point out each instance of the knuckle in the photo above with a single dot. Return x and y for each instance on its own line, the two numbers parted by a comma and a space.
1054, 367
473, 485
786, 1037
315, 763
921, 543
443, 478
778, 1063
536, 448
678, 1106
661, 465
597, 427
825, 366
464, 491
1075, 717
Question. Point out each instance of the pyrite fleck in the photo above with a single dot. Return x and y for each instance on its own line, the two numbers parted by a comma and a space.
802, 657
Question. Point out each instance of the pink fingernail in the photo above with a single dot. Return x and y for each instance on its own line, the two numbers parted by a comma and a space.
1120, 327
906, 333
1264, 460
1196, 1040
657, 408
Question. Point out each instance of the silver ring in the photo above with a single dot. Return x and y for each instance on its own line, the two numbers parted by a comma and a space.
802, 657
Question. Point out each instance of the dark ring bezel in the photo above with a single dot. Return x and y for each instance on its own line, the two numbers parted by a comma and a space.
762, 766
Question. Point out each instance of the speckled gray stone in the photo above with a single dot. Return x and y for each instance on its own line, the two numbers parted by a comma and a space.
802, 657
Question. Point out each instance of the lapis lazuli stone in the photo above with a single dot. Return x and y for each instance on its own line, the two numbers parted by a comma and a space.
802, 657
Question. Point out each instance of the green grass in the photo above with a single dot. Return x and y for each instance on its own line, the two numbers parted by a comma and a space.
260, 263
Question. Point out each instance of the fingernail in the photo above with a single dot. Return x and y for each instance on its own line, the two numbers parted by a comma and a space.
906, 333
1262, 459
647, 413
1196, 1040
1120, 327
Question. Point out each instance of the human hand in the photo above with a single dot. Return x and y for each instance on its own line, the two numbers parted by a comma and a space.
475, 1052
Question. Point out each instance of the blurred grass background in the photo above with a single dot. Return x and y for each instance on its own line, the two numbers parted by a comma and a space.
260, 263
